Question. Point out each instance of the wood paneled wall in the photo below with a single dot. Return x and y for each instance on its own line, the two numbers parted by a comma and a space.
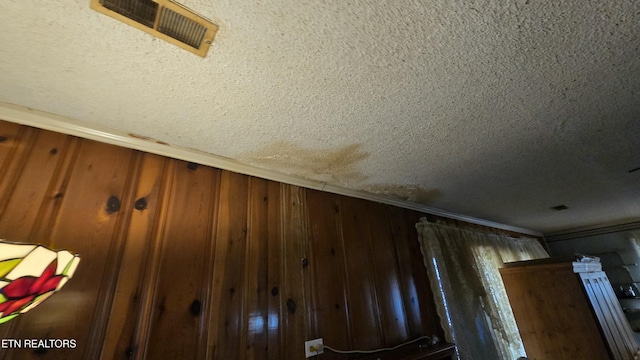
181, 261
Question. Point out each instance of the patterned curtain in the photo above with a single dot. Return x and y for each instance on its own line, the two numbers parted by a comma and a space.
472, 302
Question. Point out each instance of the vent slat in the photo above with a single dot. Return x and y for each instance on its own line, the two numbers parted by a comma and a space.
164, 19
181, 28
142, 11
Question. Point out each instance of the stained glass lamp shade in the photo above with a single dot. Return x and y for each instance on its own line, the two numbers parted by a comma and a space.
29, 274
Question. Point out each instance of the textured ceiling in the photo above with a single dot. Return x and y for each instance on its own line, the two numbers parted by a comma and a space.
492, 109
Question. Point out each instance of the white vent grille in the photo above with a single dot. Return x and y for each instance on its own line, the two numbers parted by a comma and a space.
164, 19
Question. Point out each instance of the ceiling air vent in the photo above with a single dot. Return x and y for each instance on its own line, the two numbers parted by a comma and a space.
164, 19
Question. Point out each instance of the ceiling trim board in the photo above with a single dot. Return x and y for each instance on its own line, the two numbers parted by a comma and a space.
47, 121
591, 231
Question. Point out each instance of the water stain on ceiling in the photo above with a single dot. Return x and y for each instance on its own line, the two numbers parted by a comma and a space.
336, 166
333, 166
409, 192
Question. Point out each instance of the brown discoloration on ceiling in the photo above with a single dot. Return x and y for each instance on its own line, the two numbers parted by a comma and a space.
328, 165
410, 192
141, 137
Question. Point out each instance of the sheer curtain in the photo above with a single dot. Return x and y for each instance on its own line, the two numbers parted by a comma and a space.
472, 302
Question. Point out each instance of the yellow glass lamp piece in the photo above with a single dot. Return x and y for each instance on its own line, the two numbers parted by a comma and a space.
29, 274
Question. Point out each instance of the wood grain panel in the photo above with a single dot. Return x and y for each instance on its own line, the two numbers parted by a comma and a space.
227, 327
553, 317
366, 331
9, 143
257, 271
153, 259
50, 206
330, 302
387, 283
20, 216
295, 325
204, 339
120, 337
107, 287
276, 341
17, 146
178, 302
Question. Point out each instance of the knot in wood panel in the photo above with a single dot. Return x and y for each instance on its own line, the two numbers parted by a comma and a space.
113, 205
192, 166
195, 307
140, 204
291, 306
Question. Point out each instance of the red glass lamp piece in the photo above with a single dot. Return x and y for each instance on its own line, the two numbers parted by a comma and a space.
29, 274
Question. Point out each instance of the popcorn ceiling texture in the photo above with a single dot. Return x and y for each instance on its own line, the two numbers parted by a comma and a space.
500, 108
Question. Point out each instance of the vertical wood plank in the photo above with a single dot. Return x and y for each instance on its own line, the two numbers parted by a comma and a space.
152, 265
119, 342
204, 336
9, 143
227, 328
256, 270
178, 303
308, 272
109, 279
361, 293
330, 301
276, 341
15, 148
294, 249
385, 268
33, 187
50, 206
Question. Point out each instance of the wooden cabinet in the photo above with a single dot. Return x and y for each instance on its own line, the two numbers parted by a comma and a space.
567, 310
